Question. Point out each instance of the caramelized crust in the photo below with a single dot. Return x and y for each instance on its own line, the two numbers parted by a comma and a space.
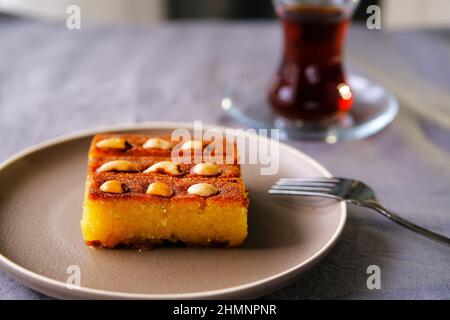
135, 143
231, 190
135, 148
226, 170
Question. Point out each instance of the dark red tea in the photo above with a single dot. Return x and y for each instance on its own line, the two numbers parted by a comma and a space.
310, 83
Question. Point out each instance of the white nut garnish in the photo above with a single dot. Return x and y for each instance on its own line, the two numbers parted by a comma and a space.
159, 189
203, 189
112, 186
168, 167
206, 169
157, 143
118, 165
192, 144
112, 143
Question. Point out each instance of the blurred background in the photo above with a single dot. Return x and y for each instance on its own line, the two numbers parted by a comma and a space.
395, 13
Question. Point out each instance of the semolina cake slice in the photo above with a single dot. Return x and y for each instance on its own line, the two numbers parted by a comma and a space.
136, 196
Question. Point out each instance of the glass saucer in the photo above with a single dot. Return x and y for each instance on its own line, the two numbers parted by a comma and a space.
374, 107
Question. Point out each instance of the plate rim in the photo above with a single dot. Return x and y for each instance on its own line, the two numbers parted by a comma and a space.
45, 284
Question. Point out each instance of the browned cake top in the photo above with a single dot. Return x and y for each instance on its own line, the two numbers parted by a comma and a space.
135, 147
142, 163
230, 191
230, 188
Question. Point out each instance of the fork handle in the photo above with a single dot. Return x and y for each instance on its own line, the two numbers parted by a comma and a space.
405, 223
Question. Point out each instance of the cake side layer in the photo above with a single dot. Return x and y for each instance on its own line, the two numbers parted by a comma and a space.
109, 223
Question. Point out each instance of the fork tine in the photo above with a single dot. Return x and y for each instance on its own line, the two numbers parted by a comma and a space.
302, 188
311, 179
306, 183
303, 193
311, 186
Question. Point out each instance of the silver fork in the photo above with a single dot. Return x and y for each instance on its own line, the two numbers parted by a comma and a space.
351, 191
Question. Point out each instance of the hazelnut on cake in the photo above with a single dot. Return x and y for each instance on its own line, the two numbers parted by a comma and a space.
137, 196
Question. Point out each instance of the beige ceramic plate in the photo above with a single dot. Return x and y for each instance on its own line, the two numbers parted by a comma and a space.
41, 193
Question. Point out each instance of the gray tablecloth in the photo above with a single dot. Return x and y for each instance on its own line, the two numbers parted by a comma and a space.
54, 81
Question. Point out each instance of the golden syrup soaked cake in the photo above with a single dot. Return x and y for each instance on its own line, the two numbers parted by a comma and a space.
136, 195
